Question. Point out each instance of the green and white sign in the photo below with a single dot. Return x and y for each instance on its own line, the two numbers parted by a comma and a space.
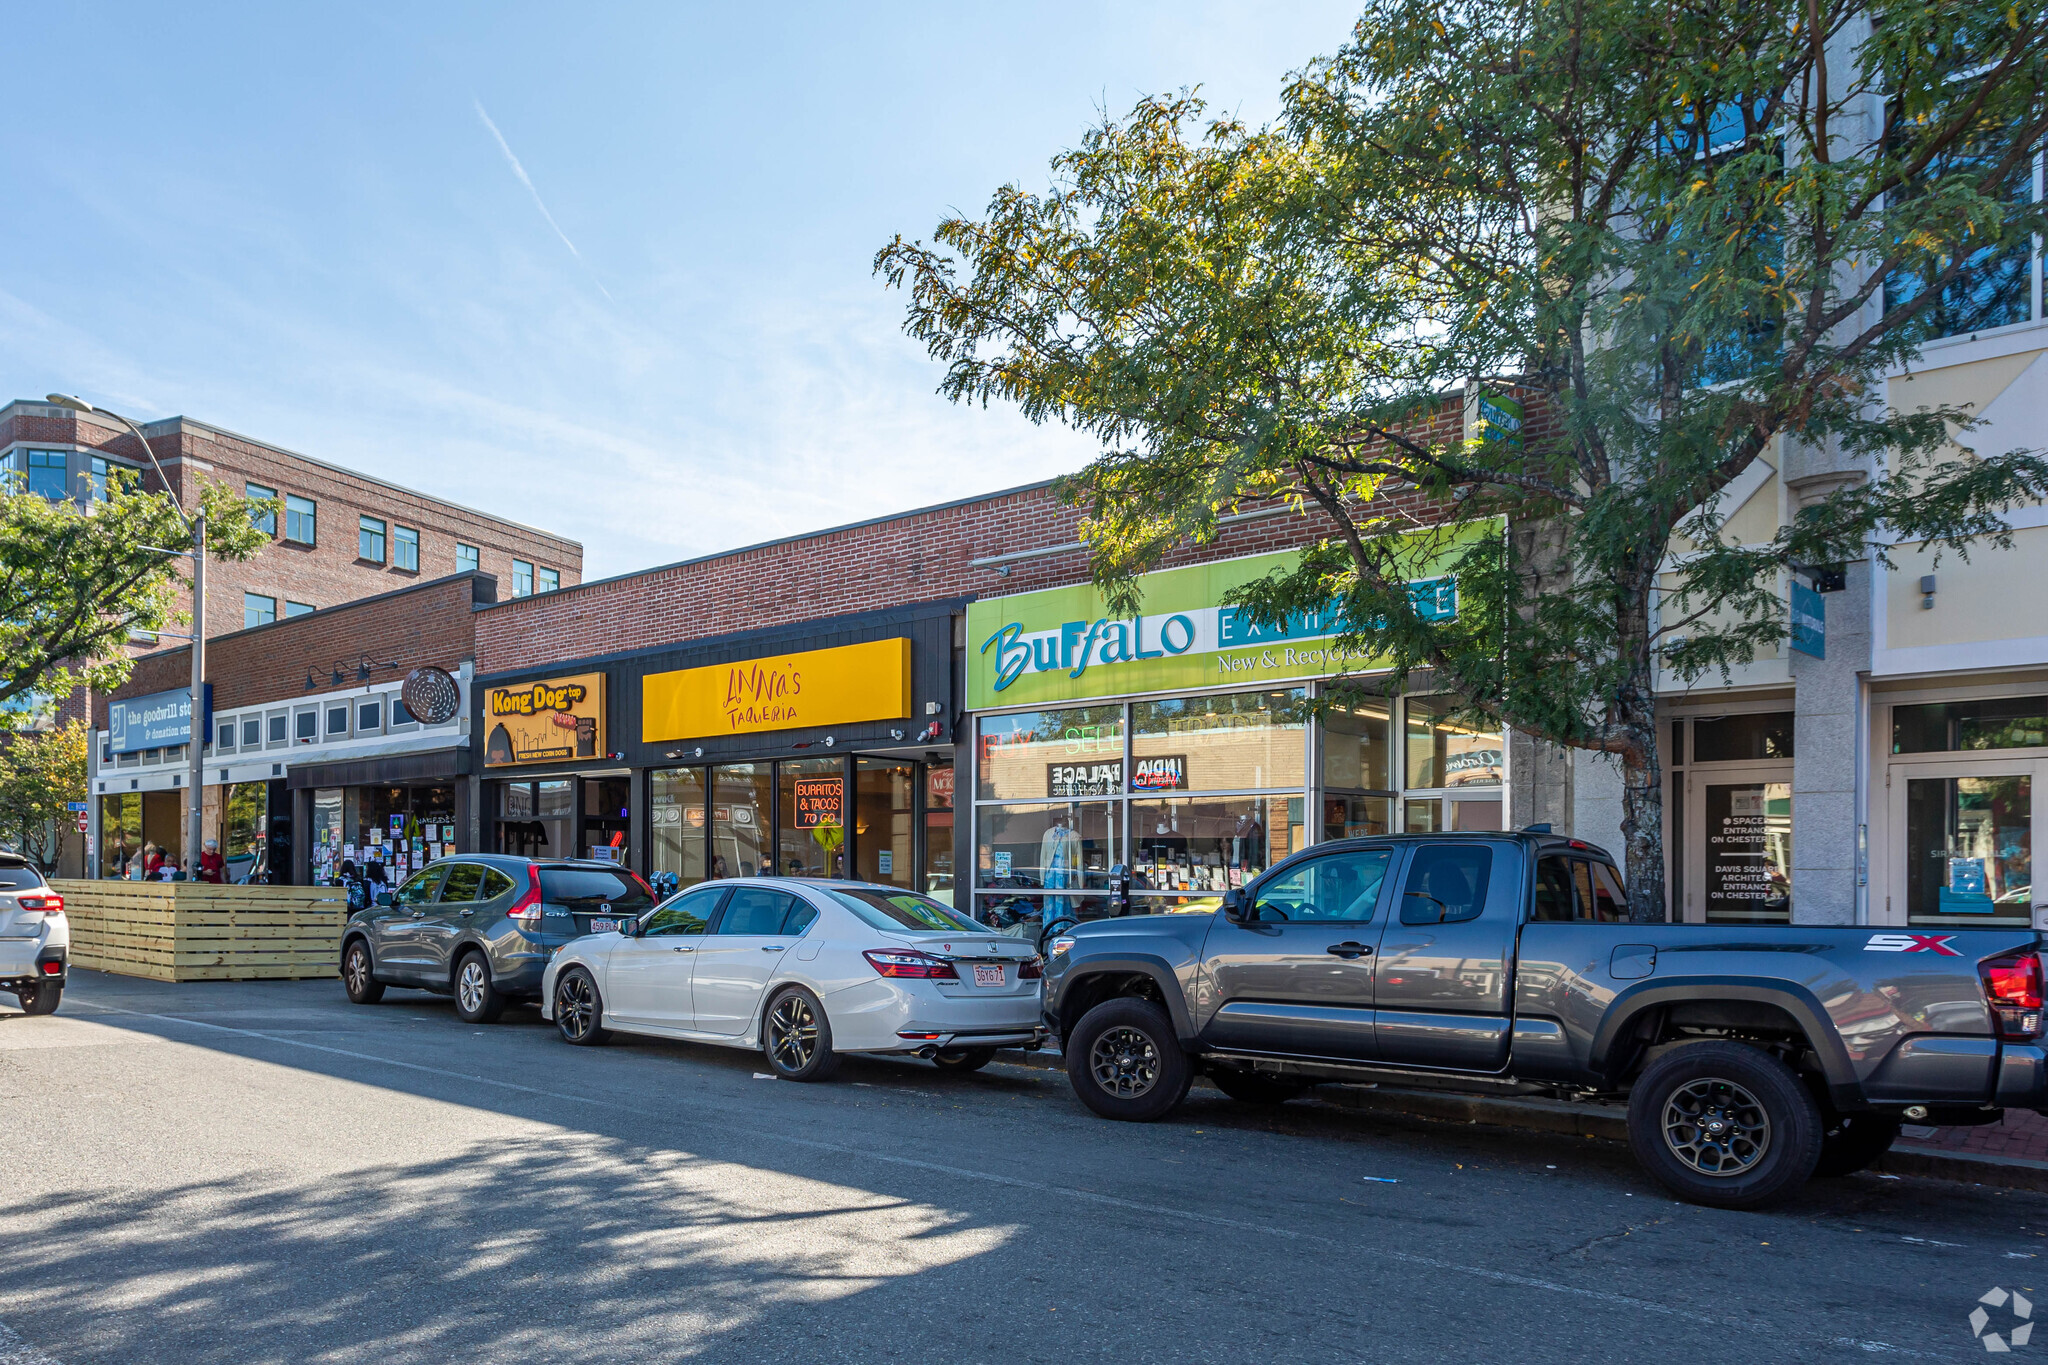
1062, 645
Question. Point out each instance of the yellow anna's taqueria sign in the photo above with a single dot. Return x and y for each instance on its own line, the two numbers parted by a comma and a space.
840, 686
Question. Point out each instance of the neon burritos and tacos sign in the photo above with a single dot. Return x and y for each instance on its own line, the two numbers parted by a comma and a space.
1061, 644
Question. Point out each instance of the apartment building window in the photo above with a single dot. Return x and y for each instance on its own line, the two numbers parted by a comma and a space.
299, 517
265, 520
258, 610
292, 609
405, 549
522, 578
46, 472
550, 580
370, 539
466, 558
104, 471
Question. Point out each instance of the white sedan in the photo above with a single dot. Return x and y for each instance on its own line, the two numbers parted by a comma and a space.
803, 970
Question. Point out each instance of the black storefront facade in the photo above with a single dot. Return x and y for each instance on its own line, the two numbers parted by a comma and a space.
818, 749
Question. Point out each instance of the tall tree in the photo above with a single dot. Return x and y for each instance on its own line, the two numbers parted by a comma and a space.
41, 772
76, 582
1686, 233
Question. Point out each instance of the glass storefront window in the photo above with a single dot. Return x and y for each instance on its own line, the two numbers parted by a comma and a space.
1077, 751
882, 834
1207, 846
1355, 817
1358, 746
243, 821
811, 841
120, 833
938, 831
675, 827
1748, 852
1064, 846
1740, 739
1969, 850
1243, 741
740, 797
1961, 726
1445, 750
554, 798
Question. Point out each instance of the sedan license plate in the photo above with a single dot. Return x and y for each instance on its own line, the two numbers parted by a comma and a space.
988, 976
603, 926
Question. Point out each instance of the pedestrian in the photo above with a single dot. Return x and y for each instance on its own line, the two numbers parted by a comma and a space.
358, 888
152, 862
212, 867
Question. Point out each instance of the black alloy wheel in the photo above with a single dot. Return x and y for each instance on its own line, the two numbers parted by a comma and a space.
1126, 1063
579, 1013
797, 1038
477, 999
40, 998
1851, 1142
358, 974
1724, 1124
964, 1059
1249, 1087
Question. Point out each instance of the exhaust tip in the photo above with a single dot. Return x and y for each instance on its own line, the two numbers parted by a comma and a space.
1916, 1111
927, 1052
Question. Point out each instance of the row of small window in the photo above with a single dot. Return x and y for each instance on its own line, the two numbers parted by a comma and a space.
260, 610
320, 722
46, 472
379, 542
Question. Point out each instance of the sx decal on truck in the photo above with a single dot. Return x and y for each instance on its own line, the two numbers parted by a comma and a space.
1912, 943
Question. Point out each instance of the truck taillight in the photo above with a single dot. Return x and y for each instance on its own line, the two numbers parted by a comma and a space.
915, 965
2012, 987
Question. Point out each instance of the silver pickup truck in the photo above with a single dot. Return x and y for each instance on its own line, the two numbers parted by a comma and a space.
1751, 1056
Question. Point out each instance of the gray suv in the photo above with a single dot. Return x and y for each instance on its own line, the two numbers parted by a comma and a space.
481, 927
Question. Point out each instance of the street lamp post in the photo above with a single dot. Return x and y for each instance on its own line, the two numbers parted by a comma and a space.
195, 745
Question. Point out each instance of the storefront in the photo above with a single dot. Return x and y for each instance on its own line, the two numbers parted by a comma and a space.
1188, 750
817, 751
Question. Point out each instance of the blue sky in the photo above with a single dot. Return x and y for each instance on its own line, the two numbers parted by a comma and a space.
305, 223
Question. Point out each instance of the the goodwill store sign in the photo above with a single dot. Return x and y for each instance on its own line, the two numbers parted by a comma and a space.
158, 720
1061, 644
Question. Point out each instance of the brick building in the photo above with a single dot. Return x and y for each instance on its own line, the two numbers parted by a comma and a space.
311, 738
342, 535
796, 706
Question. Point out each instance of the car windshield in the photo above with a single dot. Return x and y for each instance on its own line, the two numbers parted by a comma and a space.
19, 878
904, 910
586, 888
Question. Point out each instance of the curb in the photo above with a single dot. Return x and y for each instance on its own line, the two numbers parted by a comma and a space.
1609, 1123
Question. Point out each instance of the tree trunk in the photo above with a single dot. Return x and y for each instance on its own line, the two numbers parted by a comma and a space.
1642, 812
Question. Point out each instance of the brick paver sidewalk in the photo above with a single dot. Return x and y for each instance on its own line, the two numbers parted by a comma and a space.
2022, 1134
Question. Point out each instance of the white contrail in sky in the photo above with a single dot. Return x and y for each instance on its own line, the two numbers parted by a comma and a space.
538, 202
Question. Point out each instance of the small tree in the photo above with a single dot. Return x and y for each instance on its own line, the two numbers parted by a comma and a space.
1686, 233
74, 583
41, 772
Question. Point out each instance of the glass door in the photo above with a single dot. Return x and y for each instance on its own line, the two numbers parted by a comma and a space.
1964, 835
1738, 846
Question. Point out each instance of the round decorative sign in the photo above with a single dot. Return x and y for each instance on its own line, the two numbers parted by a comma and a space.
431, 695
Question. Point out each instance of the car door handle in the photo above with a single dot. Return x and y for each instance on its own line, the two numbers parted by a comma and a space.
1349, 950
467, 913
419, 914
685, 950
773, 947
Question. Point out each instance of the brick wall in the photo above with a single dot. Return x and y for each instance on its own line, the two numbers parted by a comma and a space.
918, 556
427, 623
328, 572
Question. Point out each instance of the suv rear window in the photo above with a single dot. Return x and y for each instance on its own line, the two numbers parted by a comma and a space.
905, 910
585, 888
19, 878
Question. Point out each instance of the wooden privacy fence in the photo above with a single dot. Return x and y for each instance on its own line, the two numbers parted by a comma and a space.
197, 931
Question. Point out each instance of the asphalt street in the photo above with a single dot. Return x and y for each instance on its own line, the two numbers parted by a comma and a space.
260, 1172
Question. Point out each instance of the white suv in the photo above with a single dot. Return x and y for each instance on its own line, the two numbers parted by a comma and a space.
35, 940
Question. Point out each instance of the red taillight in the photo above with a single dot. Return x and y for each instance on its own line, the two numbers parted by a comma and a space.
2012, 987
1034, 970
48, 905
527, 908
53, 969
903, 962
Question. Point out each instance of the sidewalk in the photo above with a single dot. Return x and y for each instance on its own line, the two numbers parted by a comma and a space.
2012, 1153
